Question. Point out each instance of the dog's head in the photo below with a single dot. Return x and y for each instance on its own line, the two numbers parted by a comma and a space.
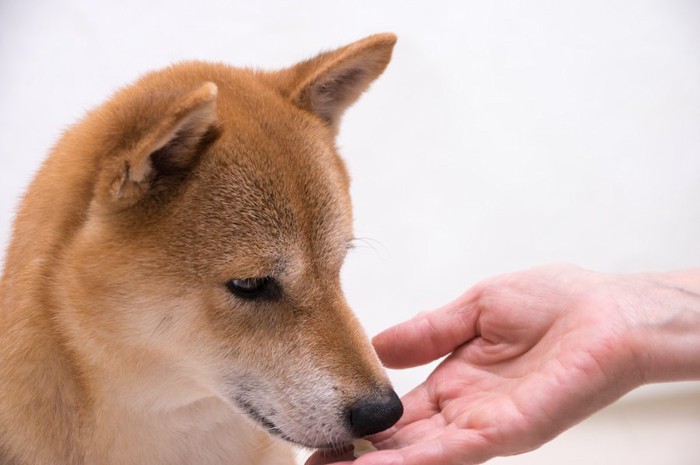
219, 221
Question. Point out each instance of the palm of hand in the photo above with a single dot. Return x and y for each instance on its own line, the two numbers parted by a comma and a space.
539, 356
511, 395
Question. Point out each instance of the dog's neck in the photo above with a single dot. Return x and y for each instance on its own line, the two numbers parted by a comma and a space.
38, 377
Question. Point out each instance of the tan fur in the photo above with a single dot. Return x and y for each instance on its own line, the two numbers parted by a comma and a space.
119, 341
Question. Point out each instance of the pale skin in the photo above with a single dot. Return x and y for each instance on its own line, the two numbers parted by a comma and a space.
529, 355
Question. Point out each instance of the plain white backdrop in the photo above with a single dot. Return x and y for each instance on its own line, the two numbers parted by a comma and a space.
502, 136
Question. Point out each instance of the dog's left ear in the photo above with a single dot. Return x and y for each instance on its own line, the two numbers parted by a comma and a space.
180, 125
327, 84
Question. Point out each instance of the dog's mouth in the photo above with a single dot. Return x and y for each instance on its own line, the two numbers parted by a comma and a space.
261, 419
274, 430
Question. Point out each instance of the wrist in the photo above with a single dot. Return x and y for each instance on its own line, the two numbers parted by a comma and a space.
665, 326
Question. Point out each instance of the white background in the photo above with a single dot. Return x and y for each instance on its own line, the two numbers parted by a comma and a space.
503, 135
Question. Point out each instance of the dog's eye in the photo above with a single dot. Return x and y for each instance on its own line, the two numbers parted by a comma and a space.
254, 288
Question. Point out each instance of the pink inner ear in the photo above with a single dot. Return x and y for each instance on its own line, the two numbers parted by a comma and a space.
170, 147
327, 84
183, 134
333, 94
180, 153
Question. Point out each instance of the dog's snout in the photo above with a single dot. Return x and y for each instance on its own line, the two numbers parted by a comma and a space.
375, 414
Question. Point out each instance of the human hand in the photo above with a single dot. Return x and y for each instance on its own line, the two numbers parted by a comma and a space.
531, 354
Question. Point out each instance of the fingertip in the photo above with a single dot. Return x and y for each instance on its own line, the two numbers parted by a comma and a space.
427, 336
389, 345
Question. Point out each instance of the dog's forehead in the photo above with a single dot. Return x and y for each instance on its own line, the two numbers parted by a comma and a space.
271, 182
265, 189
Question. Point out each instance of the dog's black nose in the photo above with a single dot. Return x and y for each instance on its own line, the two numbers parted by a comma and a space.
375, 414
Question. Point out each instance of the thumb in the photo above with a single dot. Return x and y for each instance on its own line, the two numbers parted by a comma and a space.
430, 335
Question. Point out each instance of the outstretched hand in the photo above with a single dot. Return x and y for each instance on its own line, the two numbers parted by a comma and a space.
530, 355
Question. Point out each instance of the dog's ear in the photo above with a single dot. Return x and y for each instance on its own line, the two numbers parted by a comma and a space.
174, 135
327, 84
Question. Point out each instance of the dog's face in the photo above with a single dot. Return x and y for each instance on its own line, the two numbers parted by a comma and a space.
214, 241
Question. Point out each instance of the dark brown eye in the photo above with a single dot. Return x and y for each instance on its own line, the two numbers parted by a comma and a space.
254, 288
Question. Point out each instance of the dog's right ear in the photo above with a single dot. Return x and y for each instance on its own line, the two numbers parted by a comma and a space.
164, 142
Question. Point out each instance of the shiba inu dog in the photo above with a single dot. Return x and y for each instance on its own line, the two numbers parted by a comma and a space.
171, 293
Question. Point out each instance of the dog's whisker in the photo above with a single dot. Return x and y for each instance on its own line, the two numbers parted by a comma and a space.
369, 243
